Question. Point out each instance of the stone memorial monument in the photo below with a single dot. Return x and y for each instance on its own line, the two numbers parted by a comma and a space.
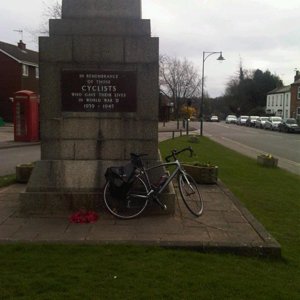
99, 101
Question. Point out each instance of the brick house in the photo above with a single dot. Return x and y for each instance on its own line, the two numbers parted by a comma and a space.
18, 71
295, 96
285, 101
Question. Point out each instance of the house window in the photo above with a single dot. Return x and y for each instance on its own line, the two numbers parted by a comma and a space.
298, 95
37, 72
25, 70
298, 111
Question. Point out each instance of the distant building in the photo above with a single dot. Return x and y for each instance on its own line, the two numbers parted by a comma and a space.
279, 102
19, 70
165, 108
295, 95
285, 101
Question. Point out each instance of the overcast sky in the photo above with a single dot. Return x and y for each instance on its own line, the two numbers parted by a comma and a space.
263, 34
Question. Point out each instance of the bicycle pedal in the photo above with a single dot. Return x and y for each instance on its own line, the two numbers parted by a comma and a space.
163, 206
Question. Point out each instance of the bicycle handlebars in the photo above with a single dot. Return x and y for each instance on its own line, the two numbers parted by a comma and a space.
175, 153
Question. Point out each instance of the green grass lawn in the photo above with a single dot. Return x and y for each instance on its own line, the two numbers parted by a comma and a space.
7, 180
128, 272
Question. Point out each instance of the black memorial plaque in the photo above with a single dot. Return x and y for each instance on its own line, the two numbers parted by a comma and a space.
98, 91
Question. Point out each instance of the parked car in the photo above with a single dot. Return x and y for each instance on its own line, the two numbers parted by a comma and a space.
231, 119
214, 119
260, 122
289, 125
242, 120
251, 121
272, 123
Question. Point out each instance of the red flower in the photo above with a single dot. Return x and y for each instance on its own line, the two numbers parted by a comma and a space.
83, 216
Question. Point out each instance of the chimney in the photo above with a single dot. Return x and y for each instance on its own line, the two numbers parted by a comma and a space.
297, 76
21, 45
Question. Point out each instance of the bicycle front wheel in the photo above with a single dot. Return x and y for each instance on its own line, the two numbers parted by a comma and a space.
129, 205
190, 194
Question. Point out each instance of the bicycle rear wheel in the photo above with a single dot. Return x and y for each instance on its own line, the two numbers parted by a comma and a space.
190, 194
130, 205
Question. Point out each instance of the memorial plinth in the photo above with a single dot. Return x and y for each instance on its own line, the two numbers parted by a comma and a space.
99, 101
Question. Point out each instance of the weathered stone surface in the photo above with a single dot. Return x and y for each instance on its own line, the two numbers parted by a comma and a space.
95, 150
66, 176
141, 50
98, 128
102, 8
49, 91
148, 91
101, 26
98, 49
55, 49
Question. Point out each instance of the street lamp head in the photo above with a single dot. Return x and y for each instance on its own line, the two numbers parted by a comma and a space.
221, 58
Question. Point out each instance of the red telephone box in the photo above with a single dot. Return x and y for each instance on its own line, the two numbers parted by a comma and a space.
26, 116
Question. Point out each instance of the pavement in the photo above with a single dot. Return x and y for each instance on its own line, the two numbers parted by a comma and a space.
7, 138
225, 225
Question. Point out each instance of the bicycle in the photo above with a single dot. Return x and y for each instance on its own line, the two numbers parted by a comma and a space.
129, 189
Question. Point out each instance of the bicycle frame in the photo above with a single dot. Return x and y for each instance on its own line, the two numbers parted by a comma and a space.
142, 188
170, 178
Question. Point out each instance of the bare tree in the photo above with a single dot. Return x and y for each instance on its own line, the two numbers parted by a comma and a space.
178, 79
50, 11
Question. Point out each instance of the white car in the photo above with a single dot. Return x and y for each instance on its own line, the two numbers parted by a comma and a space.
251, 121
260, 122
242, 120
231, 119
272, 123
214, 119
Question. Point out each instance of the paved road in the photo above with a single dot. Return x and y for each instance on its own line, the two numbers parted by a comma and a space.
252, 141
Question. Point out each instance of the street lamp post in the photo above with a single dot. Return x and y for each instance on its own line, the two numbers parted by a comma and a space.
206, 55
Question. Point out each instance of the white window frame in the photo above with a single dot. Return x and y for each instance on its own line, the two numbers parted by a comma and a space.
25, 70
298, 94
37, 72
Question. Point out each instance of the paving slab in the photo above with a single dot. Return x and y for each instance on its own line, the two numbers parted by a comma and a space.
225, 226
